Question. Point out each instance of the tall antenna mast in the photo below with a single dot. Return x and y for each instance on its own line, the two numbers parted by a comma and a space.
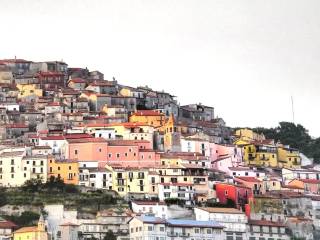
292, 108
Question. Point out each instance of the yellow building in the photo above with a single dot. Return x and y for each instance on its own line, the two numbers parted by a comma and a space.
288, 157
130, 181
32, 233
67, 170
172, 132
258, 154
249, 135
150, 117
29, 91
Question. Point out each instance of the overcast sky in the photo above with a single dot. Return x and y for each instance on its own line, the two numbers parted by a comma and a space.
245, 58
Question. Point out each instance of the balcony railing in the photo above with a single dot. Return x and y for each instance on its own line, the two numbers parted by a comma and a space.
172, 234
184, 234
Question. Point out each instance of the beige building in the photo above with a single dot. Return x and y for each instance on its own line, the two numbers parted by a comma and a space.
16, 167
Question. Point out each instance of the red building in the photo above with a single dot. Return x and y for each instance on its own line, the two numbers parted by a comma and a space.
239, 194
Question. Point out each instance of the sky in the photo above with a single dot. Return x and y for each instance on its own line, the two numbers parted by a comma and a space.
245, 58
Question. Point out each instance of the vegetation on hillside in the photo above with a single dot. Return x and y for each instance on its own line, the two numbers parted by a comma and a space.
55, 191
294, 135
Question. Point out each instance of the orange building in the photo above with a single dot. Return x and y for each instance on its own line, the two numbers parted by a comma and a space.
151, 117
67, 170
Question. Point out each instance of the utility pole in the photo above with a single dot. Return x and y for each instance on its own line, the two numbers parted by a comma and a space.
292, 108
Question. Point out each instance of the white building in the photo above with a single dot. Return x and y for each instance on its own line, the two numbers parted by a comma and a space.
159, 209
107, 133
57, 143
265, 229
234, 221
245, 172
6, 229
290, 174
150, 227
182, 191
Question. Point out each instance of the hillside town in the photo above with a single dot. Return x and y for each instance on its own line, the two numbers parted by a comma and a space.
176, 171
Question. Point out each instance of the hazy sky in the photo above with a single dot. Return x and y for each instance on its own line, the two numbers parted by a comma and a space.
245, 58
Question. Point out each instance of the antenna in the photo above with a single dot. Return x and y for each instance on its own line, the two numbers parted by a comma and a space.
292, 108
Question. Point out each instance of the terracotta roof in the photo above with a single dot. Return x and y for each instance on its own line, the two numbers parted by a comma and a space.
240, 169
311, 181
52, 138
49, 74
147, 113
6, 224
27, 229
266, 223
126, 142
221, 210
85, 140
78, 80
17, 125
69, 224
248, 179
53, 104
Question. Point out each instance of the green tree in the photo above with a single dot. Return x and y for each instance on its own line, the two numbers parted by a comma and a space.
296, 136
110, 236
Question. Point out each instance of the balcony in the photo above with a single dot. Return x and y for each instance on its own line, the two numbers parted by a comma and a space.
184, 234
172, 234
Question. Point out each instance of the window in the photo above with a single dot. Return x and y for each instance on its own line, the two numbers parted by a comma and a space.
100, 149
150, 228
126, 154
41, 163
76, 152
12, 169
246, 173
209, 231
50, 169
161, 229
118, 155
109, 155
196, 230
12, 161
226, 192
69, 167
58, 168
12, 175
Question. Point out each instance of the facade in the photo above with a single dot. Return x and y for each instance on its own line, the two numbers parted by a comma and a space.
234, 221
150, 117
6, 229
240, 195
265, 229
67, 170
35, 233
149, 227
68, 231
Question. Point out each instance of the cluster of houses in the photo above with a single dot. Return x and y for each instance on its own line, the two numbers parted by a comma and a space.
143, 146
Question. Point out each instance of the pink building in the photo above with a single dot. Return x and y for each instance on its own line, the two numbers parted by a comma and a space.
131, 153
225, 156
86, 149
